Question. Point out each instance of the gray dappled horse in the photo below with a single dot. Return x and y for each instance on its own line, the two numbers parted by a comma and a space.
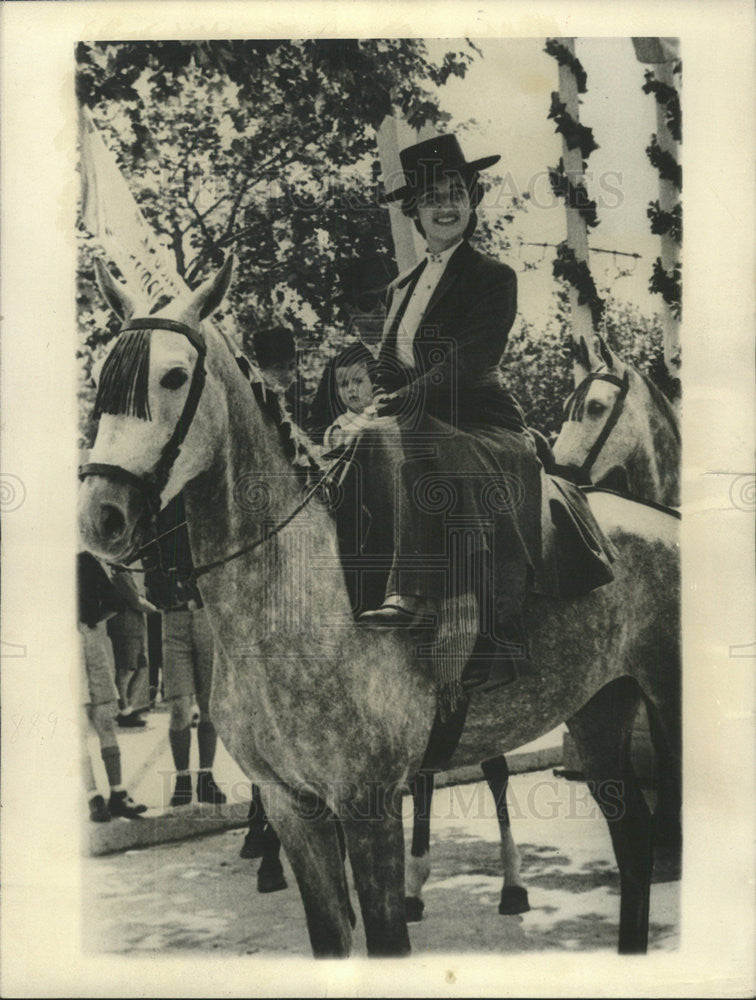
330, 720
619, 432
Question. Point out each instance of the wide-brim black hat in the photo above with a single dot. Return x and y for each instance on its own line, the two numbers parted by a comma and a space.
425, 162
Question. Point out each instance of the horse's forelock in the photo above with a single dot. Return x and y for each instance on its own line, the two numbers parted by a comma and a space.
124, 380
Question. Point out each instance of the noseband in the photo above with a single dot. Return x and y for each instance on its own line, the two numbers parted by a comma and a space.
581, 475
151, 484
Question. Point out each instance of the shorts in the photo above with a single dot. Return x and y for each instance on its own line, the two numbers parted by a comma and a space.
187, 654
128, 653
99, 668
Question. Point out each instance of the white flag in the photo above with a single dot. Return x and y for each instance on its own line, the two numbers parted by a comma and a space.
112, 216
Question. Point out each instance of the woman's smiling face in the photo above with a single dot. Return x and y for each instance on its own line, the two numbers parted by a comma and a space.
444, 212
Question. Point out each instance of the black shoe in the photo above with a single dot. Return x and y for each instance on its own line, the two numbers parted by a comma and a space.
98, 811
130, 721
182, 793
394, 616
207, 790
122, 804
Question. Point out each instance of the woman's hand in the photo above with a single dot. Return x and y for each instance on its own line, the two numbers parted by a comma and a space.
386, 404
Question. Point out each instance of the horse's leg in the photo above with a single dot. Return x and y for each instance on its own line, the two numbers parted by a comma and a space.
442, 741
666, 743
514, 895
375, 843
602, 731
312, 847
665, 734
418, 863
270, 875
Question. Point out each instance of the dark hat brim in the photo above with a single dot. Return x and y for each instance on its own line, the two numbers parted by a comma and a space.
407, 191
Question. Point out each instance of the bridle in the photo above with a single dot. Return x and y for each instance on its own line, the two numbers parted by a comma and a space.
581, 474
151, 484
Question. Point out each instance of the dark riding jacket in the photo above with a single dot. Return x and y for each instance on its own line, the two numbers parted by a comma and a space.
459, 342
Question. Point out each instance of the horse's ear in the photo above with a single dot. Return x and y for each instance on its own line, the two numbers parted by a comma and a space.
606, 354
114, 293
581, 362
209, 295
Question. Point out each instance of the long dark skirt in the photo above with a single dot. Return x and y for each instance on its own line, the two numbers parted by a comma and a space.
447, 511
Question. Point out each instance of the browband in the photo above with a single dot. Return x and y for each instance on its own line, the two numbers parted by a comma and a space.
194, 337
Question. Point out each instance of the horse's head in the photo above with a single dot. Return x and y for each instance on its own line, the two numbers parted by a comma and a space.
600, 429
158, 417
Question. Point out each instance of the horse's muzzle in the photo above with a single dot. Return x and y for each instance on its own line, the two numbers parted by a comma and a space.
113, 518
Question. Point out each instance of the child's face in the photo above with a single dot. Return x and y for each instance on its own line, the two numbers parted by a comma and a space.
354, 386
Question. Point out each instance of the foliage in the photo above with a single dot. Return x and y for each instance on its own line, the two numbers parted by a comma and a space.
575, 195
578, 274
565, 58
668, 284
670, 98
575, 135
668, 167
665, 222
265, 149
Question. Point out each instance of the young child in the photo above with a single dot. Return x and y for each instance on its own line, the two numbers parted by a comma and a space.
351, 391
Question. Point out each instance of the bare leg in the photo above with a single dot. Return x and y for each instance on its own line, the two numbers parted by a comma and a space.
514, 896
602, 730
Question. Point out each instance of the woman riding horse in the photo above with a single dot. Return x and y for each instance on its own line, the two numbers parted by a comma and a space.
467, 478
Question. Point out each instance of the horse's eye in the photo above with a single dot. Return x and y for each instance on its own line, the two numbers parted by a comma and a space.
174, 379
595, 409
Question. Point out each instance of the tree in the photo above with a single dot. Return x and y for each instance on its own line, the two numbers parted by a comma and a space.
261, 148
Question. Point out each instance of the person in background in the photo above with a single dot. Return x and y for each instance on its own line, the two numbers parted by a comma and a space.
127, 634
276, 355
363, 293
187, 654
98, 600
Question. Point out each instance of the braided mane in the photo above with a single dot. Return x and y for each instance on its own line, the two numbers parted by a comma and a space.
297, 447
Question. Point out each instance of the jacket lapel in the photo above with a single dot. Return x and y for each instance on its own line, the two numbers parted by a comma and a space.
452, 271
399, 293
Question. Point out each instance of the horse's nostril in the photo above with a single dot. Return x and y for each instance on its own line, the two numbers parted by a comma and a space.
113, 522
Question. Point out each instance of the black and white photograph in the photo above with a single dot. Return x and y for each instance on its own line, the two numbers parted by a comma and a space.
378, 500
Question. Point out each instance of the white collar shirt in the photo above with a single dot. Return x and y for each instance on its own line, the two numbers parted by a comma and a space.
418, 303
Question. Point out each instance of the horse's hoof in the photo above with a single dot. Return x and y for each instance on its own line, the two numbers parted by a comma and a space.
514, 899
413, 909
271, 881
253, 847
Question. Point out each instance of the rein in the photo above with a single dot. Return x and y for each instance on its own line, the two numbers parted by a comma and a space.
151, 484
581, 475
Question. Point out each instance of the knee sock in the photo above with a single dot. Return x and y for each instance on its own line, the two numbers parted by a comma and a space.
180, 740
207, 740
111, 758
